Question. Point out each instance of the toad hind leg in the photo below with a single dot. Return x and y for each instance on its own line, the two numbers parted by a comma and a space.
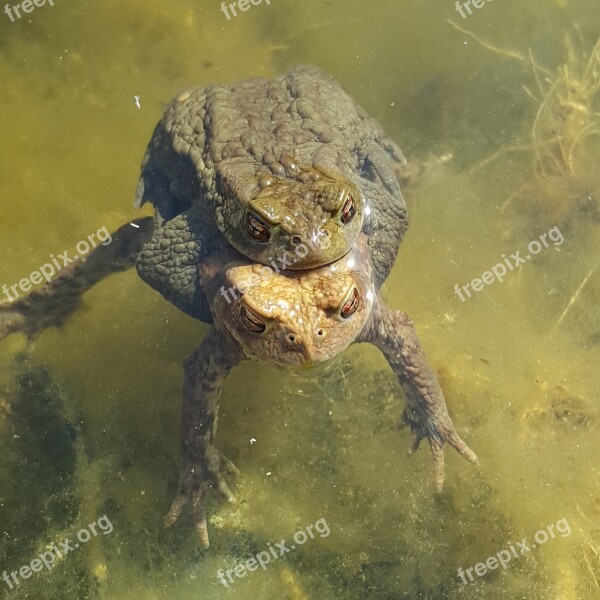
426, 414
201, 464
53, 303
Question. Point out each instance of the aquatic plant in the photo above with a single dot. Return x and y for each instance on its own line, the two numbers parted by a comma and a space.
568, 112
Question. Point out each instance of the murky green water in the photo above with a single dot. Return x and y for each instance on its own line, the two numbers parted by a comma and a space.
518, 360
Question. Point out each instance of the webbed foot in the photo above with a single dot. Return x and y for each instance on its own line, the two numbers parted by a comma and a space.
426, 413
439, 431
195, 481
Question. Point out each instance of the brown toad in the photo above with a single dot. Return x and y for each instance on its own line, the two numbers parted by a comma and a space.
307, 183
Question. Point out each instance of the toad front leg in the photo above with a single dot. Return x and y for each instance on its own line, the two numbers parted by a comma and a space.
394, 334
201, 464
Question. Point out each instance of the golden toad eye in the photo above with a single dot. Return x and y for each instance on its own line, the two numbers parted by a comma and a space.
351, 304
348, 210
251, 321
256, 228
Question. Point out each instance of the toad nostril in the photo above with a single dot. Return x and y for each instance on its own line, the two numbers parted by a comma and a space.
296, 240
320, 332
292, 337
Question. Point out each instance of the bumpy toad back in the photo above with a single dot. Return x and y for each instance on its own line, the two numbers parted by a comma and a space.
280, 163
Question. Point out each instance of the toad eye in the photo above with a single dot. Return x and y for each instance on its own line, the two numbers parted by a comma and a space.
348, 210
256, 228
252, 321
351, 304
